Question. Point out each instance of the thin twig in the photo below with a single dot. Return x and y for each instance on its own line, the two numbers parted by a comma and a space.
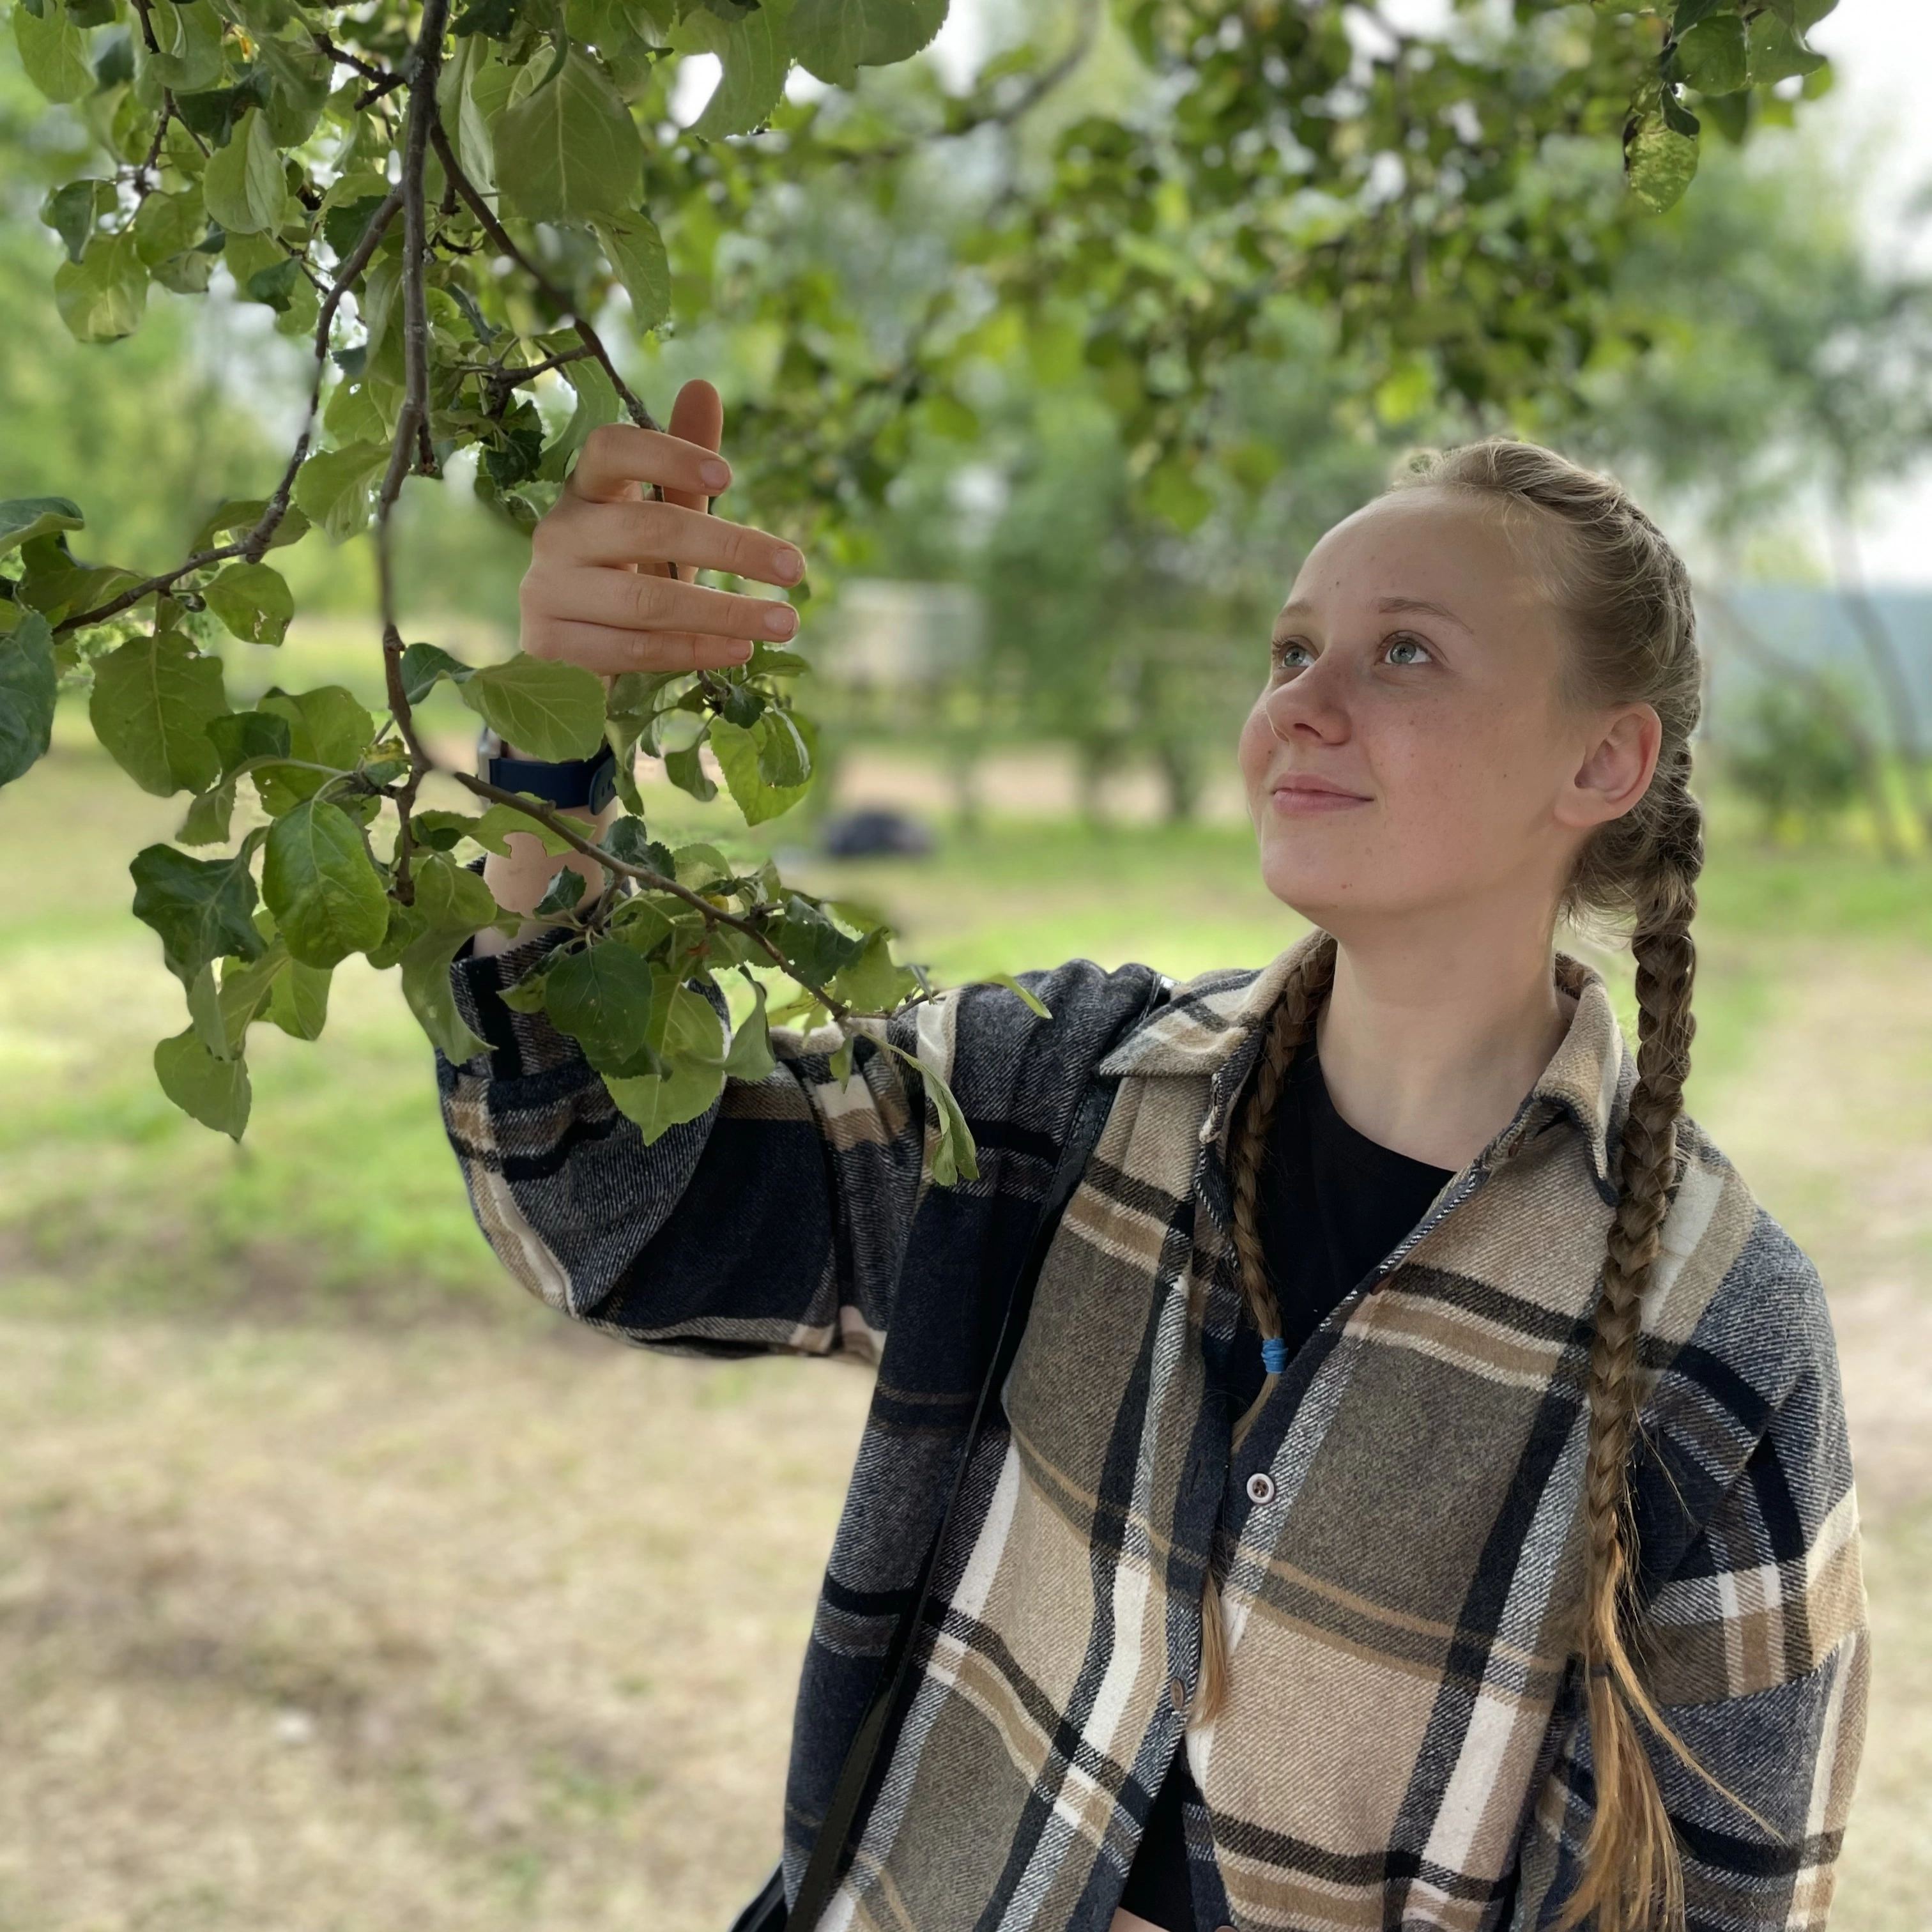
412, 422
641, 875
254, 545
558, 299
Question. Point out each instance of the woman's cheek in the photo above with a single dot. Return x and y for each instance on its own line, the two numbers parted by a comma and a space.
1252, 753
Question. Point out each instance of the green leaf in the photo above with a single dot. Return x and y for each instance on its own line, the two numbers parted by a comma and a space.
24, 518
872, 983
491, 831
199, 906
209, 815
738, 752
1712, 55
293, 996
686, 770
636, 251
53, 51
785, 742
601, 998
215, 1092
168, 225
328, 727
241, 514
204, 1012
254, 601
152, 700
244, 188
423, 664
688, 1036
299, 999
1659, 163
452, 899
319, 881
569, 149
752, 48
548, 710
1034, 1002
955, 1157
298, 74
815, 948
750, 1058
73, 211
28, 684
334, 486
832, 39
1775, 53
187, 53
104, 295
242, 736
597, 404
425, 976
563, 895
463, 115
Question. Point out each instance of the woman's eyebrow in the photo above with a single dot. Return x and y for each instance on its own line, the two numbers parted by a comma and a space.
1391, 606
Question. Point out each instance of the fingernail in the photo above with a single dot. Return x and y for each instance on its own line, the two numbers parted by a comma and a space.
713, 475
788, 566
738, 651
781, 621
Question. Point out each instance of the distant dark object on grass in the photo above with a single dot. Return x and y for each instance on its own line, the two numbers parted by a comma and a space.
876, 832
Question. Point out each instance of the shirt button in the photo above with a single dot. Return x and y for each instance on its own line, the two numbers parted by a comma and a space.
1261, 1487
1177, 1693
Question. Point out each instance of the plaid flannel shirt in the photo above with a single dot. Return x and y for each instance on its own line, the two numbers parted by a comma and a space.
1403, 1743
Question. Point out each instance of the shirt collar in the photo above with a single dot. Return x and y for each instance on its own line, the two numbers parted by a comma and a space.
1212, 1028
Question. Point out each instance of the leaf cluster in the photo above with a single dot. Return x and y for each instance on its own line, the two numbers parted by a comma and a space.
449, 204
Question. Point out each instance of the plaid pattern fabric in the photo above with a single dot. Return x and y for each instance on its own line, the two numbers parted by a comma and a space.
1399, 1535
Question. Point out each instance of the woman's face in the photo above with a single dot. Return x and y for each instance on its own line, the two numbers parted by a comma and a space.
1410, 750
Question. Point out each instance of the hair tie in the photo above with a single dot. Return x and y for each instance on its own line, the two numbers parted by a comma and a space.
1274, 1354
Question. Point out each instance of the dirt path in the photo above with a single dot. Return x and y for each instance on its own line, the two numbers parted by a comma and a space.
319, 1630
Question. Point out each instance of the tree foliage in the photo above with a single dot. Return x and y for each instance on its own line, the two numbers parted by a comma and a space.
449, 204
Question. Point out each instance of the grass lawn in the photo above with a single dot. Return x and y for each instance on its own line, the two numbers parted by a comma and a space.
340, 1589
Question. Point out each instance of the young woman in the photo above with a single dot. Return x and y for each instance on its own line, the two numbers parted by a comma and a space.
1422, 1496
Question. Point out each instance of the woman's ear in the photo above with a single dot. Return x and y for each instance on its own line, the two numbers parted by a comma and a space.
1615, 771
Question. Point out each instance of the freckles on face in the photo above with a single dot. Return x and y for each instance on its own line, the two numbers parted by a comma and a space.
1406, 747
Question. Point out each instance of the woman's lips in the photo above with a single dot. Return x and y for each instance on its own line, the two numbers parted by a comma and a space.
1299, 797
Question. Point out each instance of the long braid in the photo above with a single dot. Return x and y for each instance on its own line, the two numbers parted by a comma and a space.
1623, 598
1631, 1875
1288, 1027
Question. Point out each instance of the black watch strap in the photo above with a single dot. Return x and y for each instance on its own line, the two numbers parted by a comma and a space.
588, 783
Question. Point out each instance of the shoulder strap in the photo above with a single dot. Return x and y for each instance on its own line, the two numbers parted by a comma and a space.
825, 1868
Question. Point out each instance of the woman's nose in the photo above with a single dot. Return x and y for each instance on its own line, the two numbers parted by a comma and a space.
1310, 705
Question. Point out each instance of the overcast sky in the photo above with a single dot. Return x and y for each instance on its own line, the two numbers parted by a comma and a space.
1883, 52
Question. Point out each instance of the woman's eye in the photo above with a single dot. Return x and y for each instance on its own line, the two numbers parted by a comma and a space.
1407, 651
1293, 656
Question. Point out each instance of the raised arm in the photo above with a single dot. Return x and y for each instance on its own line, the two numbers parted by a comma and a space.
780, 1219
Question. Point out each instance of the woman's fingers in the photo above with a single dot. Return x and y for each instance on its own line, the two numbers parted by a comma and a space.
697, 418
621, 535
608, 649
628, 601
617, 456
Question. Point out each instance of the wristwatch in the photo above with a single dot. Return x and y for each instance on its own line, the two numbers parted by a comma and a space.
588, 783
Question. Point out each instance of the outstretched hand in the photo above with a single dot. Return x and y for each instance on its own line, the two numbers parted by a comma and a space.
609, 586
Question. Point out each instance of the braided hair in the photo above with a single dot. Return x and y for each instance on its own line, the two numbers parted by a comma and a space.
1623, 596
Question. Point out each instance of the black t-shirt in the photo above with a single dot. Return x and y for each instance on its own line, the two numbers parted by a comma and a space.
1333, 1203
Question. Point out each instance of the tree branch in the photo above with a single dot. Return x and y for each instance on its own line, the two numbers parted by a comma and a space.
472, 199
640, 875
252, 547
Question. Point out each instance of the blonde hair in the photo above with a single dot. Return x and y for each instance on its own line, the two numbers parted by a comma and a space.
1624, 597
